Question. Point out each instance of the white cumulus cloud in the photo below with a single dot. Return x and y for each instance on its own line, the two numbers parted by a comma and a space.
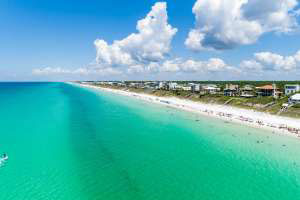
225, 24
50, 71
171, 66
251, 65
268, 61
191, 66
274, 61
151, 43
135, 69
211, 65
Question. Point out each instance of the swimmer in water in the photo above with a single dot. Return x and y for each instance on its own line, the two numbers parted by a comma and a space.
4, 156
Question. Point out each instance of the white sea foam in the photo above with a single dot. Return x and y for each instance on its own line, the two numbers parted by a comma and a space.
2, 161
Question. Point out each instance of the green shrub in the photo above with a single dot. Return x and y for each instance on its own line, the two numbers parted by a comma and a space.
296, 105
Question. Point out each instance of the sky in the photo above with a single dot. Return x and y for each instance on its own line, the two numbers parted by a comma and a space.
62, 40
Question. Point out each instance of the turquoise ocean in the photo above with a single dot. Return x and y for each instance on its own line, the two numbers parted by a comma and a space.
65, 142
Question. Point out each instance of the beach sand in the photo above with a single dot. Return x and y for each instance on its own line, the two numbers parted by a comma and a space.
276, 124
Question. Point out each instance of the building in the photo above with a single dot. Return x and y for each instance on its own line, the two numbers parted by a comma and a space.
290, 89
179, 87
295, 99
162, 85
152, 85
195, 87
186, 88
268, 90
247, 91
211, 89
137, 85
231, 90
172, 86
121, 84
132, 84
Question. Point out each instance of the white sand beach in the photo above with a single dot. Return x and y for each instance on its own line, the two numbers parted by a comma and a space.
277, 124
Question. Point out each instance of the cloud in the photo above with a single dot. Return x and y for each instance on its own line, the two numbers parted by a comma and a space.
274, 61
251, 65
225, 24
268, 61
261, 62
220, 24
171, 66
189, 66
151, 43
133, 54
49, 71
297, 56
212, 65
135, 69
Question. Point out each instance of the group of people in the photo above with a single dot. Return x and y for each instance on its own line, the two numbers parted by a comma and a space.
258, 122
291, 130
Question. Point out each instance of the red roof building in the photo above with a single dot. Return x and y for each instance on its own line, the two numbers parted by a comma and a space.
268, 90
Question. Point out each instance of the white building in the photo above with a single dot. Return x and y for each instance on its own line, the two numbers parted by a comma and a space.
195, 87
210, 89
162, 85
295, 99
152, 85
179, 87
187, 88
290, 89
247, 91
172, 86
133, 84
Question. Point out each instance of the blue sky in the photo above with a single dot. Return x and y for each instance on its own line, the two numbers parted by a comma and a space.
60, 34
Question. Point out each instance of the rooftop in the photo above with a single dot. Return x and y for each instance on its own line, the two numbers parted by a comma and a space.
296, 97
266, 87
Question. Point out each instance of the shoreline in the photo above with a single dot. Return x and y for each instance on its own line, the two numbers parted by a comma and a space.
281, 125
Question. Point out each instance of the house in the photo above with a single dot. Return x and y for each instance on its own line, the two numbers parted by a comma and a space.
247, 91
172, 86
231, 90
162, 85
290, 89
151, 85
186, 88
211, 89
268, 90
137, 85
132, 84
277, 93
195, 87
179, 87
121, 84
295, 99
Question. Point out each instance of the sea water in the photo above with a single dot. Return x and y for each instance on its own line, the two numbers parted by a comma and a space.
66, 142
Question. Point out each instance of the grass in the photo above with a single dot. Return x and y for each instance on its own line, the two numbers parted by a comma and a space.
296, 106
